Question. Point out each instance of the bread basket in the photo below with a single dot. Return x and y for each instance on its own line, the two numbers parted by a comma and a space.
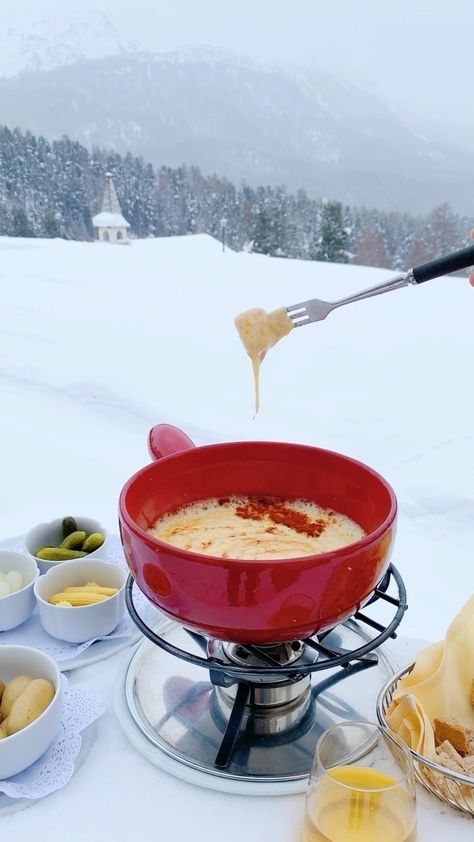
451, 787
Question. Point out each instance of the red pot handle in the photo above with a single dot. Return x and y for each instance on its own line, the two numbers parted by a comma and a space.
164, 440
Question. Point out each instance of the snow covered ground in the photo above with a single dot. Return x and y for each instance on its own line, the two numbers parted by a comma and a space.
100, 342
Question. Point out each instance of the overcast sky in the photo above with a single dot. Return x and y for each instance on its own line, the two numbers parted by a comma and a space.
418, 55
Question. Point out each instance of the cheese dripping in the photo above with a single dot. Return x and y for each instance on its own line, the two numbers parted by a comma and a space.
259, 331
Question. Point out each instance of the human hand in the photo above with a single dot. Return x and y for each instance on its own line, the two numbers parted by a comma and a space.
471, 277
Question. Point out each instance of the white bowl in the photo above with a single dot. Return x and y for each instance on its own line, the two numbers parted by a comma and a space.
16, 607
50, 535
20, 750
76, 624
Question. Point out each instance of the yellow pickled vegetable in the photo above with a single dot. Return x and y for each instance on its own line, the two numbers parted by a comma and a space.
92, 589
77, 597
13, 691
29, 705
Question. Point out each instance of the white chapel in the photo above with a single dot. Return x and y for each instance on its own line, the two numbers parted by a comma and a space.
110, 223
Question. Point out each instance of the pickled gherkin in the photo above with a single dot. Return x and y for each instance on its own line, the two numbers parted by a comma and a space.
68, 526
74, 541
59, 554
93, 542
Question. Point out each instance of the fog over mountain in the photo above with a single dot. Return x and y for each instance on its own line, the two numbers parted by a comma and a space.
58, 40
83, 70
242, 121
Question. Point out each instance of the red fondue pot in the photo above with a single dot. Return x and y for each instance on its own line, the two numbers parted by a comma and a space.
262, 601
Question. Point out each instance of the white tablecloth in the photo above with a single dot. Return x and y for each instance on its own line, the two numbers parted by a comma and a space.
116, 795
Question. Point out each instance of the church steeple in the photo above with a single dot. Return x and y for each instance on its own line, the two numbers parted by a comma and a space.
110, 203
110, 223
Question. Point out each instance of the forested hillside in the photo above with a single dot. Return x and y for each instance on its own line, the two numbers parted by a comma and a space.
52, 189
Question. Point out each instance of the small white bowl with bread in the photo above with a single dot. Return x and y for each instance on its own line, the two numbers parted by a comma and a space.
30, 707
81, 600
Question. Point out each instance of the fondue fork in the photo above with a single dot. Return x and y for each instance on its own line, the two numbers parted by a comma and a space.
315, 310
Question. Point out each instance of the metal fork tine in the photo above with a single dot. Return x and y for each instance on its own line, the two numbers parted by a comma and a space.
294, 307
298, 314
315, 310
309, 311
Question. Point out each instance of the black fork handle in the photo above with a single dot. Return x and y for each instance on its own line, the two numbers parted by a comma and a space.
444, 265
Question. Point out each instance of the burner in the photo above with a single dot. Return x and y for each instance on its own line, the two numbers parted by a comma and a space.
279, 654
255, 712
271, 705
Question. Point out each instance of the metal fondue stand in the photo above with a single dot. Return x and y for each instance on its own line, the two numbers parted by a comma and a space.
259, 714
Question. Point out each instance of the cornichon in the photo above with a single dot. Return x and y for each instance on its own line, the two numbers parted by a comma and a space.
69, 525
74, 541
59, 554
93, 542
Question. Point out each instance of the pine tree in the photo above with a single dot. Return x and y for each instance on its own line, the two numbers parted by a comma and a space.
53, 189
331, 241
50, 226
263, 235
272, 229
22, 226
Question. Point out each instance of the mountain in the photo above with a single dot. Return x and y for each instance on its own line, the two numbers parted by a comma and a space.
246, 122
49, 41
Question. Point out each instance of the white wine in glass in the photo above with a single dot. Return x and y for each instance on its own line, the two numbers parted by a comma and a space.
361, 787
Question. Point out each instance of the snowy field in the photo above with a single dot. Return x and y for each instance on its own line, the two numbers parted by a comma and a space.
100, 342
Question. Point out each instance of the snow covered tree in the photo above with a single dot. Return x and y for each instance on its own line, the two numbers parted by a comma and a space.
370, 249
54, 189
263, 242
331, 242
50, 226
21, 225
437, 234
273, 227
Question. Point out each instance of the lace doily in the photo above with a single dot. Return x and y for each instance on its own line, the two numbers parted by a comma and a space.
81, 707
32, 633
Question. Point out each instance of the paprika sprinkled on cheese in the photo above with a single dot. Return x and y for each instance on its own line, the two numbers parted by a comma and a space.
256, 527
279, 512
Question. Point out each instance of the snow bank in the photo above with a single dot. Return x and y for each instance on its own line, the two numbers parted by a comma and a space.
99, 343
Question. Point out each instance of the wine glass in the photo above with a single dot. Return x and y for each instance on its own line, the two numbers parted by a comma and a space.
361, 787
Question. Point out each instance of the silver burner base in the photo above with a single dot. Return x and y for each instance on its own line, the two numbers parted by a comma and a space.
260, 719
176, 708
273, 706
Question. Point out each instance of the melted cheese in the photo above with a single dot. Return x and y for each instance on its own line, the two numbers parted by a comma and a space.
214, 527
259, 331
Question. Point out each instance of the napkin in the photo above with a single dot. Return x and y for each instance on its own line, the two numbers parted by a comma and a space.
55, 768
439, 686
